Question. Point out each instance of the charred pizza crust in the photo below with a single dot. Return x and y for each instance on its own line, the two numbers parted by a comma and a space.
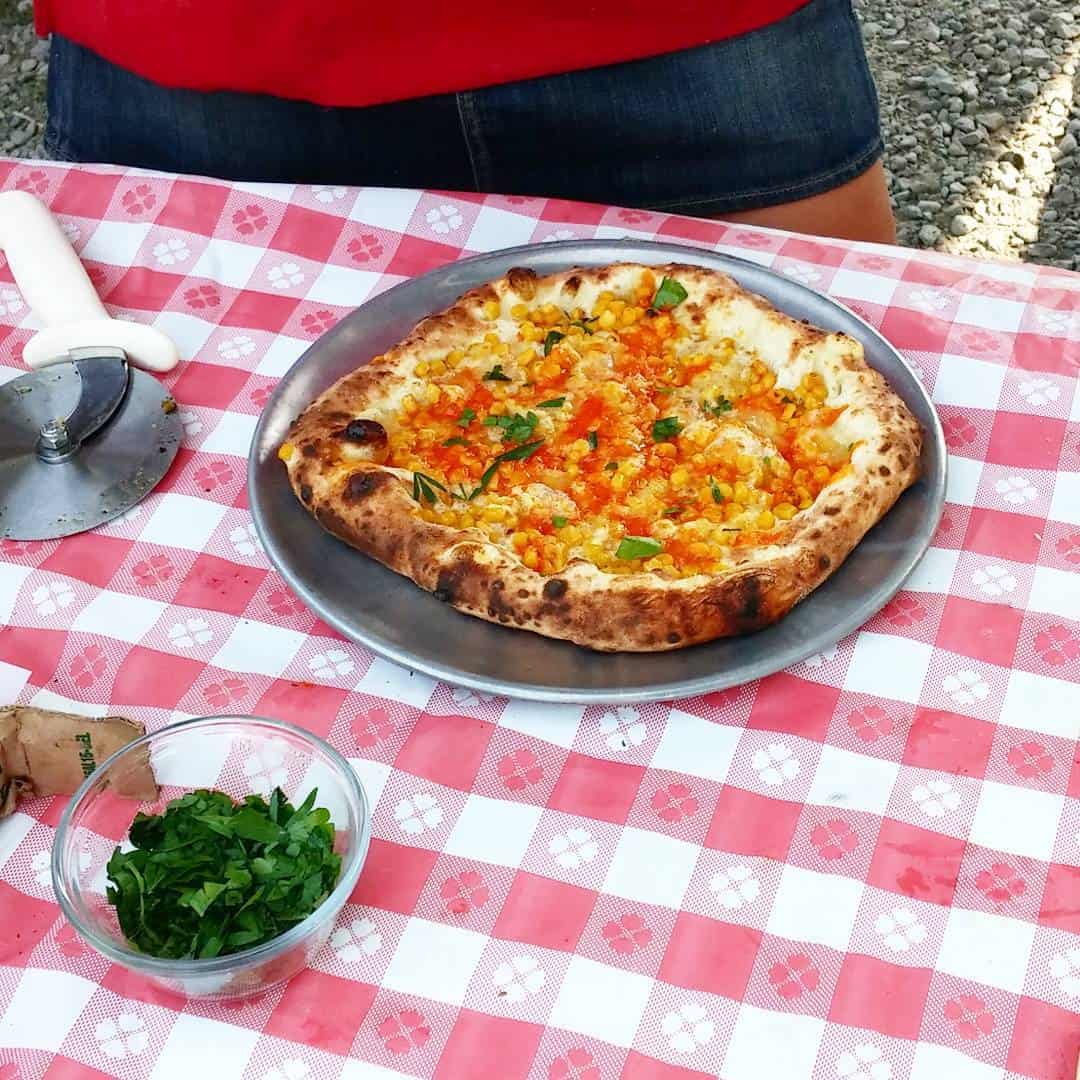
368, 505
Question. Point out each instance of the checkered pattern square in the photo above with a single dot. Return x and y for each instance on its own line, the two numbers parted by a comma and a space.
866, 866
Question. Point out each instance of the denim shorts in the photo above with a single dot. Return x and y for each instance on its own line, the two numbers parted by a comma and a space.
771, 116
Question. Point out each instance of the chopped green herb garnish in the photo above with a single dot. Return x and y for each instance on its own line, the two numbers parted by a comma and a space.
666, 428
720, 405
717, 494
210, 877
559, 521
611, 466
496, 374
593, 439
519, 453
673, 511
669, 294
457, 440
552, 403
516, 428
466, 418
638, 547
553, 337
424, 487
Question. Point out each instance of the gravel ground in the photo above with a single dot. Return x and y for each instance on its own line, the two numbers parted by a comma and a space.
980, 102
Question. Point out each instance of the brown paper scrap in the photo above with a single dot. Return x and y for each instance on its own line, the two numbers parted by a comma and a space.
51, 753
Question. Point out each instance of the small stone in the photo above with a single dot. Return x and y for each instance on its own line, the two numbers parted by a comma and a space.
998, 66
929, 235
1034, 56
28, 65
1027, 231
1067, 144
21, 136
990, 120
961, 225
898, 45
1050, 214
1028, 90
964, 123
983, 51
5, 59
1040, 251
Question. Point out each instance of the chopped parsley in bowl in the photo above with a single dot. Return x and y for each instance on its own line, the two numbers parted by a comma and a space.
233, 879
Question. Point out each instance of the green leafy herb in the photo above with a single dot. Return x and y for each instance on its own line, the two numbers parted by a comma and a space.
466, 418
496, 374
669, 294
611, 466
673, 511
552, 403
638, 547
666, 428
559, 521
717, 494
210, 877
720, 405
593, 439
519, 453
424, 487
553, 337
457, 440
516, 428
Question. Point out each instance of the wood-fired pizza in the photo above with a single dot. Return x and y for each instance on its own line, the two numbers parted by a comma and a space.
631, 458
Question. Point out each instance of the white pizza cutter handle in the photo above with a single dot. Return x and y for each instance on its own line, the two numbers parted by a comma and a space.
55, 286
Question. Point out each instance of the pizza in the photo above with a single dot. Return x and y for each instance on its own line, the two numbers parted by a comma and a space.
631, 458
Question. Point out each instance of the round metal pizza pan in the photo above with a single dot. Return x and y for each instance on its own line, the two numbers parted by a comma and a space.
389, 614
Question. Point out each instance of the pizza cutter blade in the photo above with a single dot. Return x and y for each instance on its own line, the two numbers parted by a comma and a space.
81, 441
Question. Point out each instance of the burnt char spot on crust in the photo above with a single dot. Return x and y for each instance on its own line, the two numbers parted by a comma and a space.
447, 585
831, 511
673, 638
572, 283
884, 471
523, 281
824, 562
309, 450
554, 589
361, 485
305, 492
363, 432
750, 597
498, 608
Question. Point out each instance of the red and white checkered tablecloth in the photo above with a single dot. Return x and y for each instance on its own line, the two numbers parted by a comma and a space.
864, 868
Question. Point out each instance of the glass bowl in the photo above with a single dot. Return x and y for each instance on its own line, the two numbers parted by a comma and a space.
239, 755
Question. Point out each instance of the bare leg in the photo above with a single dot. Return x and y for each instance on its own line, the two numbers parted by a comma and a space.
857, 210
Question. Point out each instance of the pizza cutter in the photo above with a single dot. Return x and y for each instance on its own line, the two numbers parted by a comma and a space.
85, 435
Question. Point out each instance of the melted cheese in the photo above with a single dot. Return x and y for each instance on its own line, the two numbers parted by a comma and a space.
644, 424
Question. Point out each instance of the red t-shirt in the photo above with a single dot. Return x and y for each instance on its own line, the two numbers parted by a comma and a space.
345, 52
